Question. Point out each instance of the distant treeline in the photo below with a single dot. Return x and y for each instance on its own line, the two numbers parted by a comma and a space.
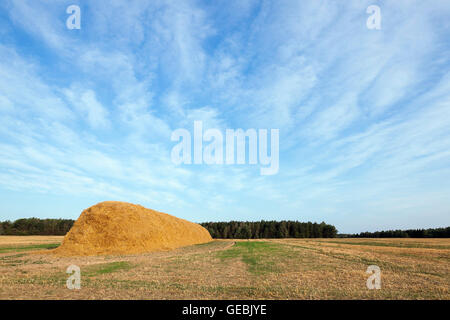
232, 229
35, 226
412, 233
269, 229
229, 230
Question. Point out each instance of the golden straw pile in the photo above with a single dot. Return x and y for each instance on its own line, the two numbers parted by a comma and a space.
114, 227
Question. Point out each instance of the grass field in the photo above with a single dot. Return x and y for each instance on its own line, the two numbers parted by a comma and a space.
225, 269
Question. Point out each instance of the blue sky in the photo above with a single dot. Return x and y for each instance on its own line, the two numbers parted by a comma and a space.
364, 115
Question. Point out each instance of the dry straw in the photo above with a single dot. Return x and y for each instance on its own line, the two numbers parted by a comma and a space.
113, 227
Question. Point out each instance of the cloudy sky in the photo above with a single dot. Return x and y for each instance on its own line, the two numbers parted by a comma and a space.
364, 115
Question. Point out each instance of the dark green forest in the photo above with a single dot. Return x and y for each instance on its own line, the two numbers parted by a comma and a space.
233, 229
269, 229
411, 233
35, 226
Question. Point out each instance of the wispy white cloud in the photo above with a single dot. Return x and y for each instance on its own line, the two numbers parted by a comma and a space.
87, 105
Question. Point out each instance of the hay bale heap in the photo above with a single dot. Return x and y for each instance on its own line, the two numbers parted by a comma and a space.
114, 227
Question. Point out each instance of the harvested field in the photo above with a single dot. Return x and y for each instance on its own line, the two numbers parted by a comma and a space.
20, 241
241, 269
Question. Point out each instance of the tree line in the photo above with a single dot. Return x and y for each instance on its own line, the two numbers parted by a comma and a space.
232, 229
269, 229
35, 226
411, 233
225, 230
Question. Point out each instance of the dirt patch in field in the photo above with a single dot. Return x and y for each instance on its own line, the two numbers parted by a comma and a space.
113, 227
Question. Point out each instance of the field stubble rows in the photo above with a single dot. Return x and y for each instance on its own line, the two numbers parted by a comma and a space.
233, 269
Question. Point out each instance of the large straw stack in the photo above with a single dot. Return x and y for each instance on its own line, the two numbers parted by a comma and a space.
113, 227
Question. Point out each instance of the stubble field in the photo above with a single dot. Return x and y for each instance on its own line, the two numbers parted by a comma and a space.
233, 269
